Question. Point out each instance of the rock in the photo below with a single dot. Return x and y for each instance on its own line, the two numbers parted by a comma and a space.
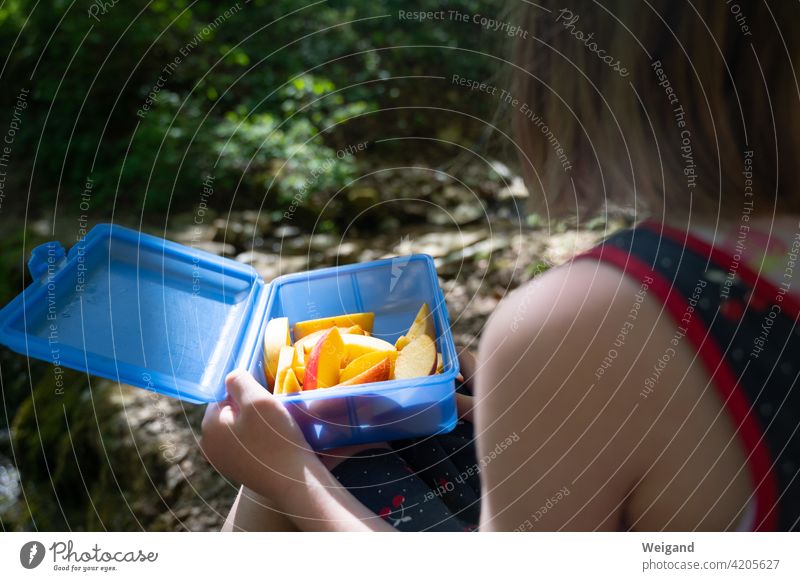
439, 244
500, 169
465, 213
322, 242
457, 194
346, 251
255, 258
259, 221
596, 224
221, 226
219, 248
10, 490
292, 264
193, 234
461, 215
296, 245
439, 176
270, 266
563, 246
362, 196
483, 248
286, 231
515, 189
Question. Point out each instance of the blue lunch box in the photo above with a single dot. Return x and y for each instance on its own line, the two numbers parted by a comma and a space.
144, 311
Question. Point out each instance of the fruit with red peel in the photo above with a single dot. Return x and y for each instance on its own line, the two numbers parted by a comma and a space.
324, 362
378, 372
364, 362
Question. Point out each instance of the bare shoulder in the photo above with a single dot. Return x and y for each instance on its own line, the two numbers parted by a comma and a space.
580, 304
558, 368
614, 420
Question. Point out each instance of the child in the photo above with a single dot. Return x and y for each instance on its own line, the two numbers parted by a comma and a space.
650, 383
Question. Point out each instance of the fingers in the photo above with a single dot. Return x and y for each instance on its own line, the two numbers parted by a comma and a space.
226, 415
243, 389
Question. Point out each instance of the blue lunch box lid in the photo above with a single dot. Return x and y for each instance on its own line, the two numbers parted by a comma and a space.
139, 310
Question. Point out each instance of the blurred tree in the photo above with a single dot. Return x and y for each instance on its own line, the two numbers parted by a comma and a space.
148, 98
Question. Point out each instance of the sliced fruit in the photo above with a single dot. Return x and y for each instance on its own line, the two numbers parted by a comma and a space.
307, 343
401, 342
324, 362
439, 363
381, 371
363, 320
417, 359
276, 335
423, 324
300, 373
290, 383
364, 362
357, 345
286, 360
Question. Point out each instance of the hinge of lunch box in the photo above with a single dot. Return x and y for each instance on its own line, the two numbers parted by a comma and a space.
46, 259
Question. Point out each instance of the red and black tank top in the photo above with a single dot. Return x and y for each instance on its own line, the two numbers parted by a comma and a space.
745, 329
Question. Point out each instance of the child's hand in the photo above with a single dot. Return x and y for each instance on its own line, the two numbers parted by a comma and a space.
251, 438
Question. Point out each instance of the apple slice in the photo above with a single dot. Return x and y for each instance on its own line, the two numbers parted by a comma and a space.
364, 362
299, 366
357, 345
307, 343
276, 336
439, 363
417, 359
363, 320
286, 360
324, 362
378, 372
423, 324
290, 383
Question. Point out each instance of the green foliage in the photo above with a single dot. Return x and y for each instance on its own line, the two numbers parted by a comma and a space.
148, 98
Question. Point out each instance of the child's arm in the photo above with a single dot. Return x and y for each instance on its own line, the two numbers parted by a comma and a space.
251, 438
252, 512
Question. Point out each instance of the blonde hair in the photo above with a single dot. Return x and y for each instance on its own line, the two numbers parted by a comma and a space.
602, 84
